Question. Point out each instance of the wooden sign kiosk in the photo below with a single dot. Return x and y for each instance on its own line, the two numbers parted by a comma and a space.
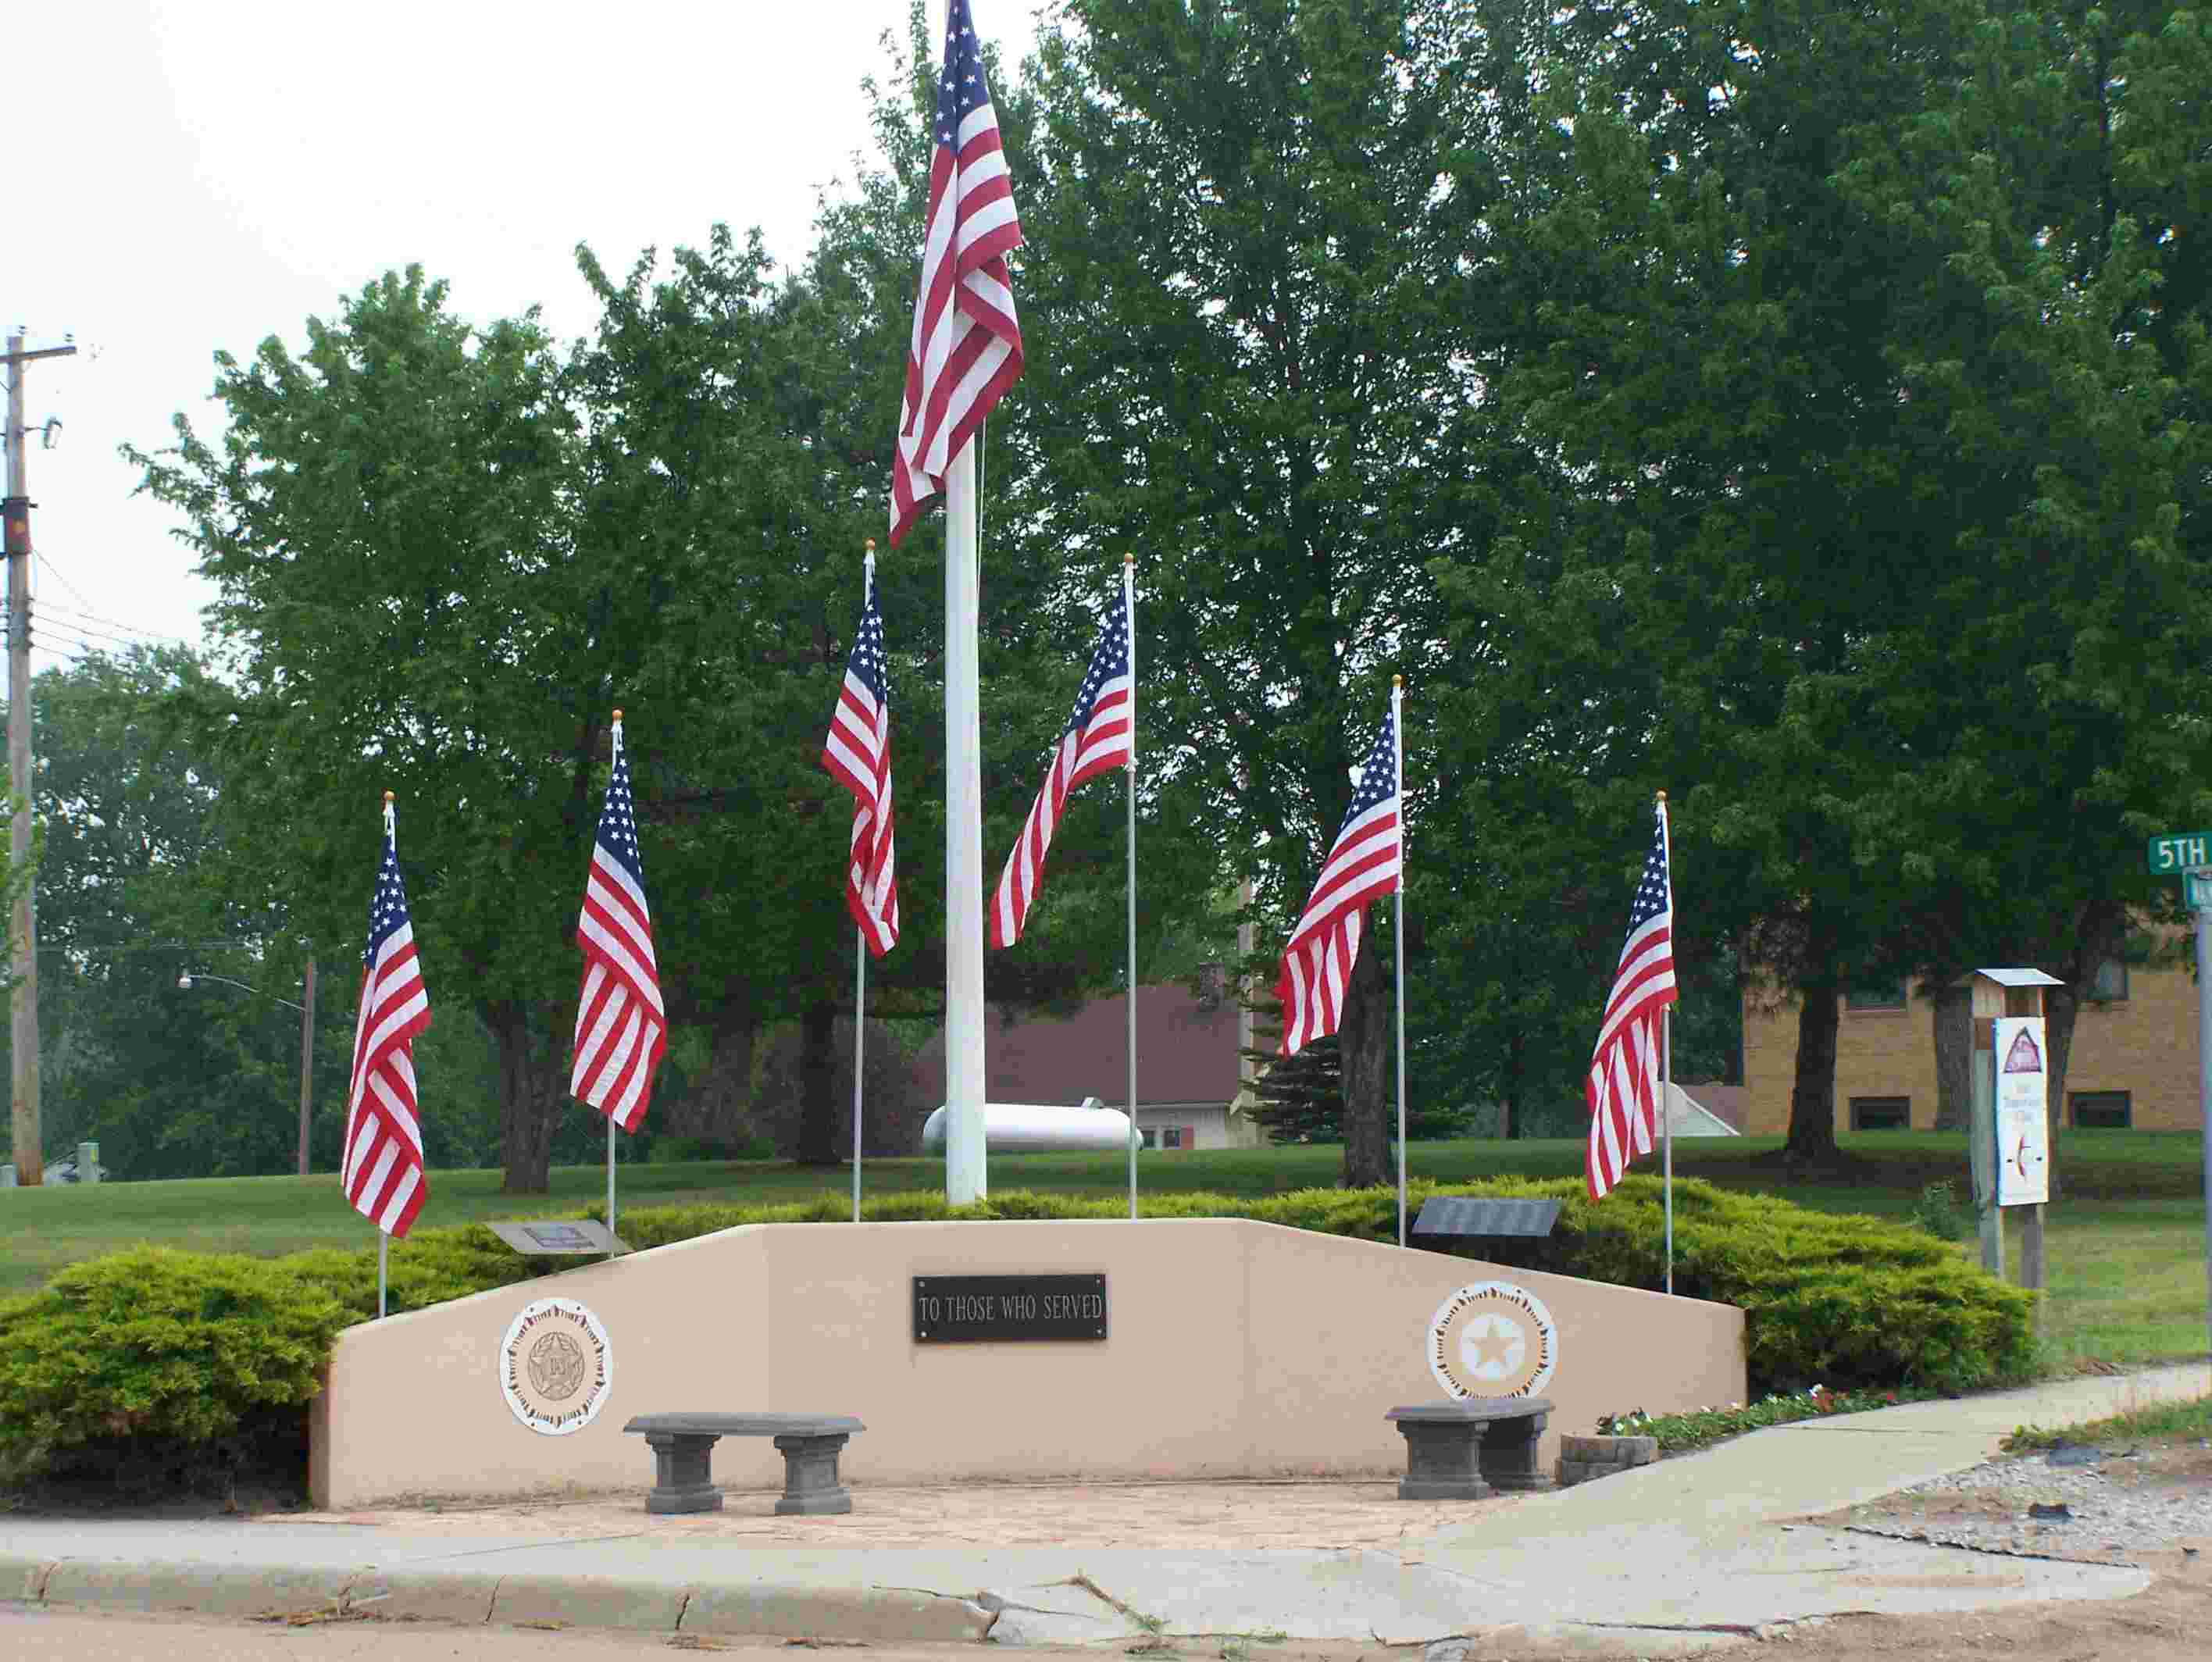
2008, 1005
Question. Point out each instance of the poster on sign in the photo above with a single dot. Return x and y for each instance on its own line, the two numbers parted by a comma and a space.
2023, 1119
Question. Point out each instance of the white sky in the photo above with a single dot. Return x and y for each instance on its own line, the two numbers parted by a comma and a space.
185, 176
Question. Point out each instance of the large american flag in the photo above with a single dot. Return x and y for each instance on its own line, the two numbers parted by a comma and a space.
382, 1172
858, 754
622, 1032
1623, 1086
1363, 862
967, 345
1097, 738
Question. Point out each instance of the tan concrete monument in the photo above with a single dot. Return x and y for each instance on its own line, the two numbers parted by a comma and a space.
1188, 1348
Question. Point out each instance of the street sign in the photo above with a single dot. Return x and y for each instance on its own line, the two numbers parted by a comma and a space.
2196, 889
2178, 851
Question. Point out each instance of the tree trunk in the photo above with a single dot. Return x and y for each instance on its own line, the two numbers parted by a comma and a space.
1813, 1097
818, 1085
1954, 1058
1508, 1100
531, 1090
1363, 1040
718, 1108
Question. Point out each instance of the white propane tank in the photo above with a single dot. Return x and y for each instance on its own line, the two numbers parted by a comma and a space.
1040, 1128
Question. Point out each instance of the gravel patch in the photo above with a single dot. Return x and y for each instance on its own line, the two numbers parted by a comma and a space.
2102, 1506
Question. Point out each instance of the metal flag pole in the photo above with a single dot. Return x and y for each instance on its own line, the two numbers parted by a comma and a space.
860, 1052
383, 1235
1129, 616
861, 951
614, 759
1397, 763
1667, 1056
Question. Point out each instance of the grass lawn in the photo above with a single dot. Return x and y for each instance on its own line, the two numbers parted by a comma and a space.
2126, 1247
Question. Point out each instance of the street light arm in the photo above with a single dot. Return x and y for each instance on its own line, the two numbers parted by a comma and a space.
187, 979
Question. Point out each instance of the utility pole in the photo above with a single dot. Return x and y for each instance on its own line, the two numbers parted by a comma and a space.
307, 1059
30, 1147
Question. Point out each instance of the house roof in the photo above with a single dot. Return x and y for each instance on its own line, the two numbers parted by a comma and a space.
1730, 1104
1186, 1052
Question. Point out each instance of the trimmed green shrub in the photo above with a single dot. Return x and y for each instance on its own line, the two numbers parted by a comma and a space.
156, 1343
1840, 1300
165, 1343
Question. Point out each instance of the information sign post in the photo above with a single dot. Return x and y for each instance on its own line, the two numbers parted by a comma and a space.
2011, 1136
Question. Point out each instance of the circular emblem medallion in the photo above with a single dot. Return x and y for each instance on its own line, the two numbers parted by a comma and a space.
556, 1367
1493, 1339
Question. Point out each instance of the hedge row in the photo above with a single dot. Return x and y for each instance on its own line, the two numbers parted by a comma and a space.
188, 1348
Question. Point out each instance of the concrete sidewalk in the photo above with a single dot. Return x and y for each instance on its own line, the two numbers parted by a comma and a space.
1671, 1557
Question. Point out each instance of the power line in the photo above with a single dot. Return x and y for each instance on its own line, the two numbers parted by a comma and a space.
111, 622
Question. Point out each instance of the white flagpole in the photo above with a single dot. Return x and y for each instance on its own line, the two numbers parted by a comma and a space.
1398, 762
966, 1172
1667, 1060
1129, 612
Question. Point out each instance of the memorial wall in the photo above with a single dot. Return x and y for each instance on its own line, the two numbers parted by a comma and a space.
1185, 1348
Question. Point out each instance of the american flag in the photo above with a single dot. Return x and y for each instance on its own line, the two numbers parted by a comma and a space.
967, 345
622, 1031
382, 1173
1363, 862
858, 754
1097, 738
1623, 1086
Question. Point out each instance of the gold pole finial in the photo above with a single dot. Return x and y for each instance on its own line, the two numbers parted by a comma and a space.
1662, 796
1397, 680
1128, 556
869, 547
617, 715
387, 798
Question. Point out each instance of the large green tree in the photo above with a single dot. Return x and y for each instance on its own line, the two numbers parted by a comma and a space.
1240, 371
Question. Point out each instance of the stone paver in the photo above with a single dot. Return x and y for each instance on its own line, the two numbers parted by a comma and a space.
1324, 1515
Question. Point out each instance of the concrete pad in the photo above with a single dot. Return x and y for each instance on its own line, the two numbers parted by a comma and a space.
639, 1604
1056, 1613
209, 1589
23, 1578
424, 1595
870, 1615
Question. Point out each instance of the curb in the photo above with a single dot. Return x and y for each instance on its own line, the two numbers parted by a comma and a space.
864, 1614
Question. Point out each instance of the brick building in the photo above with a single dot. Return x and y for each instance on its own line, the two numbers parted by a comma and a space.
2133, 1063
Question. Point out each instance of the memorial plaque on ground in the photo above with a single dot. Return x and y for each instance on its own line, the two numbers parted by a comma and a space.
558, 1236
955, 1309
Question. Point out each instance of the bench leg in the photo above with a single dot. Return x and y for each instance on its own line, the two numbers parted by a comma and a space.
810, 1488
1509, 1454
683, 1475
1441, 1463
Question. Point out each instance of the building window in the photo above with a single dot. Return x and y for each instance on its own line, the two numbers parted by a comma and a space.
1875, 996
2109, 985
2109, 1111
1149, 1136
1881, 1114
1171, 1137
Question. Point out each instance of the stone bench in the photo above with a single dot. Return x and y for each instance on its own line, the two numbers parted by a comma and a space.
1462, 1450
683, 1452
